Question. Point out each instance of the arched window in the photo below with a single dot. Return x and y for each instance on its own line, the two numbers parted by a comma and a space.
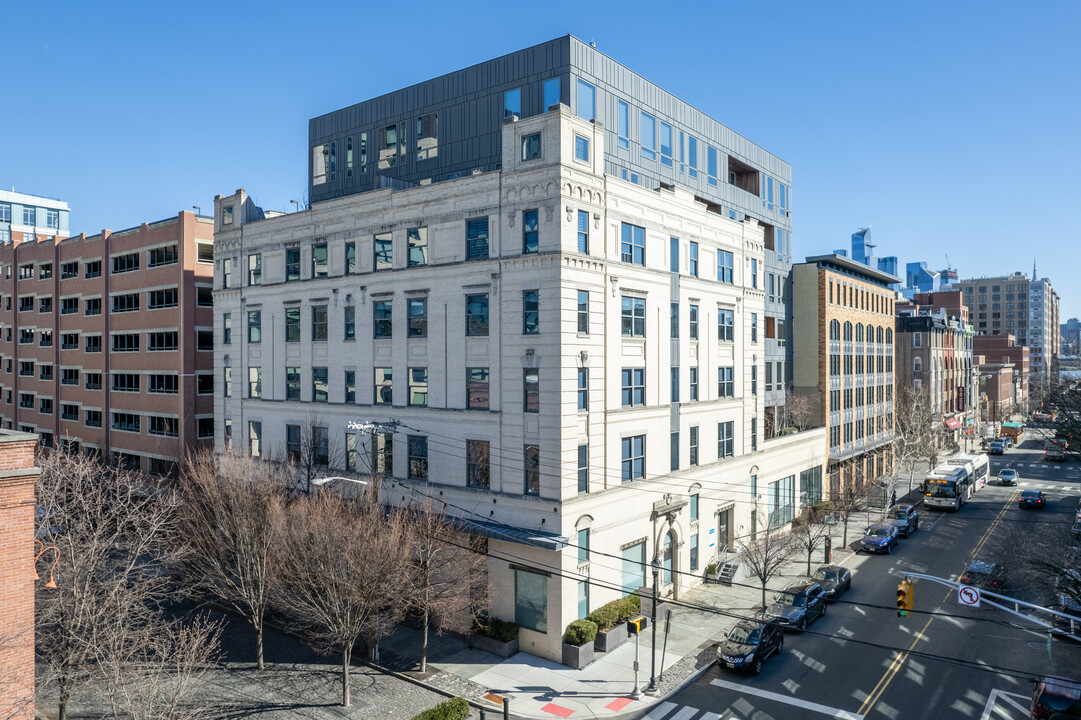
848, 332
859, 333
835, 330
870, 336
879, 336
669, 542
889, 336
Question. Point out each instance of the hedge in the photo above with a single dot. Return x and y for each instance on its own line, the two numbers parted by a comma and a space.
453, 709
580, 632
616, 611
495, 628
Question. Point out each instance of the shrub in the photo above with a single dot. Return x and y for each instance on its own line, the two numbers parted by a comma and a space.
604, 617
820, 509
711, 570
495, 628
580, 632
453, 709
616, 611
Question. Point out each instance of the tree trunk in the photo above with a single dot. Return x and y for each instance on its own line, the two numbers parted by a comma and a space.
844, 539
810, 549
259, 645
424, 642
763, 596
346, 653
62, 710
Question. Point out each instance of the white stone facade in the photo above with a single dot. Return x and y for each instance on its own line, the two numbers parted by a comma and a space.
616, 513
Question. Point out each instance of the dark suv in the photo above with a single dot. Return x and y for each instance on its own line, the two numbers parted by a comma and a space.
749, 644
987, 575
798, 605
1056, 698
905, 519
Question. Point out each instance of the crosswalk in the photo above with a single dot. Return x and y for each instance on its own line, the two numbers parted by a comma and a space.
747, 704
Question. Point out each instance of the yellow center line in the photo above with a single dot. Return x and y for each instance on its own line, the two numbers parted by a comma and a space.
895, 665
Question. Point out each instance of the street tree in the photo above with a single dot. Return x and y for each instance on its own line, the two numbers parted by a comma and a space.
16, 687
1063, 399
917, 430
765, 553
1044, 562
230, 520
312, 451
344, 573
449, 579
809, 532
852, 499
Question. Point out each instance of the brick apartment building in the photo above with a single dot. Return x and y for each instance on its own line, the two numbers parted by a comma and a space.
17, 473
106, 342
1004, 368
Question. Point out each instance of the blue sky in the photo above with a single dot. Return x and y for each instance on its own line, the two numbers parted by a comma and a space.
950, 127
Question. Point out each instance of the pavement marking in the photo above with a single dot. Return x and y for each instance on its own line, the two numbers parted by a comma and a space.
777, 697
685, 714
660, 711
557, 710
618, 704
992, 706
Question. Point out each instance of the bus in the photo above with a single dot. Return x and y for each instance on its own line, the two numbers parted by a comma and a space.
978, 466
947, 488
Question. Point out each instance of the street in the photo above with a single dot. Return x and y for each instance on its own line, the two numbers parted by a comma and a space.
942, 661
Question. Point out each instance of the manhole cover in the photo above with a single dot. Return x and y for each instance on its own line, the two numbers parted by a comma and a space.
1037, 645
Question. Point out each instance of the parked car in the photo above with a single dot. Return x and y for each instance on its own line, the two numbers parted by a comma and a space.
1055, 698
905, 519
834, 579
987, 575
1075, 531
879, 538
749, 644
1008, 477
1033, 499
798, 605
1007, 441
997, 447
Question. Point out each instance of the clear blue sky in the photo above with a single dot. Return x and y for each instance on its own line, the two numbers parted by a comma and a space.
948, 126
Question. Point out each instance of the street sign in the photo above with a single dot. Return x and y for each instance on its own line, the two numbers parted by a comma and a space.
969, 596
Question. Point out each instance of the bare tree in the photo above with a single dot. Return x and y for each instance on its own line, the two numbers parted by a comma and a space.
917, 430
230, 520
313, 451
766, 552
797, 411
809, 533
449, 578
16, 687
343, 573
849, 501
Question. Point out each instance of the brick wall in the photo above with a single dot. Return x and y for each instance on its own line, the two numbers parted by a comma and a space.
17, 550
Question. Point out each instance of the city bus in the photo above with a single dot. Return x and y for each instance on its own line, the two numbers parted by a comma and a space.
948, 487
978, 466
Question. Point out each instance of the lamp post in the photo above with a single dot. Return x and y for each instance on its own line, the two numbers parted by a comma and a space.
652, 687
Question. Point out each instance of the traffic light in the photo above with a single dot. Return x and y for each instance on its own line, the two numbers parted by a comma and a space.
906, 598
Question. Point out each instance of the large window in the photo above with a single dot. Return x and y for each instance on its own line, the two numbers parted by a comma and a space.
583, 468
292, 383
320, 385
666, 144
478, 459
725, 439
587, 100
384, 386
634, 386
632, 244
512, 102
292, 264
418, 457
255, 326
623, 124
583, 388
531, 600
476, 315
418, 246
551, 93
649, 136
382, 318
781, 501
725, 325
693, 320
726, 386
418, 386
476, 388
530, 312
634, 567
532, 470
530, 231
810, 486
255, 382
384, 252
583, 231
476, 239
531, 390
633, 316
724, 266
634, 457
255, 269
319, 323
418, 317
583, 312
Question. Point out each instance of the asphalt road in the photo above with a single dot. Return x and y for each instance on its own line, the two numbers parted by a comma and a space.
943, 661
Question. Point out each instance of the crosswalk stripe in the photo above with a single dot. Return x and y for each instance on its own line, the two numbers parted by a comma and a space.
660, 711
685, 714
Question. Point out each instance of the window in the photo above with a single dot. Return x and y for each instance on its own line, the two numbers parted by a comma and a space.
69, 270
633, 316
666, 144
5, 212
694, 259
125, 382
692, 156
384, 386
156, 257
754, 327
92, 269
125, 263
587, 100
126, 303
725, 325
320, 262
126, 422
418, 457
45, 305
581, 148
531, 390
26, 272
26, 400
69, 376
292, 383
26, 368
418, 317
157, 299
583, 545
476, 388
583, 388
26, 336
292, 325
711, 165
673, 451
205, 253
319, 323
551, 93
724, 266
320, 385
532, 470
418, 387
227, 215
92, 307
530, 231
69, 412
204, 340
634, 387
205, 428
167, 384
428, 136
92, 418
478, 459
384, 252
350, 386
531, 597
754, 434
693, 318
382, 317
255, 382
725, 439
583, 468
726, 386
649, 136
204, 296
388, 152
622, 123
780, 501
583, 312
476, 239
674, 320
93, 381
161, 341
632, 245
255, 438
418, 246
350, 258
126, 342
512, 103
917, 340
350, 323
810, 486
292, 264
26, 303
583, 231
255, 269
634, 458
530, 312
754, 272
168, 427
45, 271
476, 315
694, 384
674, 378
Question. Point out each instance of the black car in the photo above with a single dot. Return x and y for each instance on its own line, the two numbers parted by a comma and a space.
997, 447
905, 519
1032, 499
987, 575
749, 644
798, 605
834, 579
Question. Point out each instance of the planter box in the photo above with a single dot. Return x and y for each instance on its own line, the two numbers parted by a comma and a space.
609, 640
577, 656
496, 647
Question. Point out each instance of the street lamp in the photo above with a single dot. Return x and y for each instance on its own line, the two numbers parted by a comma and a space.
652, 687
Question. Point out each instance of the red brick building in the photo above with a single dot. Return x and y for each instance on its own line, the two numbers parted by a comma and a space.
1004, 375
